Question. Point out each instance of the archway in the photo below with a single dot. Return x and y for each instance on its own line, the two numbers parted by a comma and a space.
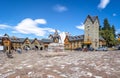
41, 48
36, 47
27, 47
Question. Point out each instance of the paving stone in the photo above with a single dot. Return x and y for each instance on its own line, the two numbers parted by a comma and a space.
73, 65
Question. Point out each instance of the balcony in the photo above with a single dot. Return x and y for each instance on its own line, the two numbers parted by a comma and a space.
87, 42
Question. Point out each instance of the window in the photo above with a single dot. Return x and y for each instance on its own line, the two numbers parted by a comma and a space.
88, 26
88, 35
96, 44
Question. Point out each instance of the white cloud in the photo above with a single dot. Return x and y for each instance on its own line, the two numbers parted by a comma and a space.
62, 35
81, 26
114, 14
103, 4
3, 26
1, 35
30, 26
117, 31
40, 21
60, 8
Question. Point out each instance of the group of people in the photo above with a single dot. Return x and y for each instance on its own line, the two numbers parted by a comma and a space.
9, 53
85, 49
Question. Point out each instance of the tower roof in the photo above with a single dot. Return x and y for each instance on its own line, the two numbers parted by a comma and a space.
92, 18
6, 35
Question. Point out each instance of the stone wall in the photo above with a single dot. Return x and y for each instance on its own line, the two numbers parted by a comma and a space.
92, 32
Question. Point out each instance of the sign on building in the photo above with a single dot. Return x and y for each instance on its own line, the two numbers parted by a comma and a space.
1, 48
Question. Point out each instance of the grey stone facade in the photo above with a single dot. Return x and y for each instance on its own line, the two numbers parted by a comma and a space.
91, 33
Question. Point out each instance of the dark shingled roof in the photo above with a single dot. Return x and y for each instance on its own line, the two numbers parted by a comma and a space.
40, 41
47, 40
92, 18
20, 40
76, 38
81, 37
0, 39
31, 40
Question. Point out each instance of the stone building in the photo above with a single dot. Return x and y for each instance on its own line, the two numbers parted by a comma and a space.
46, 42
118, 37
91, 31
15, 43
73, 42
90, 38
23, 43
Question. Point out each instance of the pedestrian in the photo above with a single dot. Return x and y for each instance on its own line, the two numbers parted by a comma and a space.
9, 54
85, 49
19, 50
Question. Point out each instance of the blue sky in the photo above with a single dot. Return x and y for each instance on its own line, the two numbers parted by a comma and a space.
39, 18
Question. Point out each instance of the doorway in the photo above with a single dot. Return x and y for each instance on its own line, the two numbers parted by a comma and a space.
41, 48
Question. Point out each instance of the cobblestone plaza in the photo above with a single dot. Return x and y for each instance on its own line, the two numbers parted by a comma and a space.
75, 64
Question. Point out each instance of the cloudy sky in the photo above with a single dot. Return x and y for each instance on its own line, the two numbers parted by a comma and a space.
39, 18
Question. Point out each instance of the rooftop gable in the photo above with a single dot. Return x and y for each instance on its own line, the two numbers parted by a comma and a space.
92, 19
76, 38
47, 40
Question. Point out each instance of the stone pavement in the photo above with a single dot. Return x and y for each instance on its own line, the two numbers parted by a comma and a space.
74, 65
